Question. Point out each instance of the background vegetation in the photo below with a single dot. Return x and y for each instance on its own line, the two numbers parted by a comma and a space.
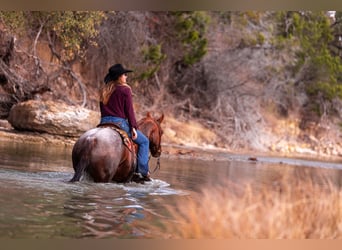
230, 71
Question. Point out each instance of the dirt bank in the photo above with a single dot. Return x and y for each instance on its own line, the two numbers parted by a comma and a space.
170, 150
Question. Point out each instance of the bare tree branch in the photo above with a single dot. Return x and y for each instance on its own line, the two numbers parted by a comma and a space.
36, 58
82, 87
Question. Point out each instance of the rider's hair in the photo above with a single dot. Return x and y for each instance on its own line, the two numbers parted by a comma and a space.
106, 91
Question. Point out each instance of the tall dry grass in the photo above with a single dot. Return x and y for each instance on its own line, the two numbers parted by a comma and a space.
291, 209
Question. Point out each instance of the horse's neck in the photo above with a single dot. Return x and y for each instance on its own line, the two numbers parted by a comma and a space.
146, 128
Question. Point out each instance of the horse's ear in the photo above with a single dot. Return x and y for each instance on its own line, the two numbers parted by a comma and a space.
161, 118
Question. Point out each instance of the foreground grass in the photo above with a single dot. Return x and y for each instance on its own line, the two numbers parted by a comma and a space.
290, 209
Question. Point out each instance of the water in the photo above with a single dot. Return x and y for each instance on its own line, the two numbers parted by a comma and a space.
37, 201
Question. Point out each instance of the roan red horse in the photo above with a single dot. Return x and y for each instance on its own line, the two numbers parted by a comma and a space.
105, 155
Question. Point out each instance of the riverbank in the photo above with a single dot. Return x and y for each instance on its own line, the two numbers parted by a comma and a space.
172, 151
35, 137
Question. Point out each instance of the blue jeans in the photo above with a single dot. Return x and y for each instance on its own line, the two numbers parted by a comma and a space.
142, 141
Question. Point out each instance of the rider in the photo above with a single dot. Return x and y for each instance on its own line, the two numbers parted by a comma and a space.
116, 106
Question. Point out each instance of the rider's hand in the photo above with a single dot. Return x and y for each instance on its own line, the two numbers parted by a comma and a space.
134, 134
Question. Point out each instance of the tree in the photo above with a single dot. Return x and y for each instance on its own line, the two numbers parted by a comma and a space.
68, 33
336, 44
318, 67
72, 29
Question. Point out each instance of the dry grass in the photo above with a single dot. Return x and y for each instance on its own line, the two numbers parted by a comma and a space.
291, 210
186, 133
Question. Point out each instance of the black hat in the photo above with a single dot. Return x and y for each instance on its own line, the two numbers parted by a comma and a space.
114, 72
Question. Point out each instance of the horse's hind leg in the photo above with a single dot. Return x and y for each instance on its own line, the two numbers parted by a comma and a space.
102, 170
81, 156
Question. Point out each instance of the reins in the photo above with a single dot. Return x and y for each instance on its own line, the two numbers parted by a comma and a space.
157, 165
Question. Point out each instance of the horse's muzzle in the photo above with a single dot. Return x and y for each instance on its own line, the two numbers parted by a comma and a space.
156, 152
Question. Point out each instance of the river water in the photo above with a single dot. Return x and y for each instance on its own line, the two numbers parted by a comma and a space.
37, 201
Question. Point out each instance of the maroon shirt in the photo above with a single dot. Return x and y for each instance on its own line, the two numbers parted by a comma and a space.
120, 104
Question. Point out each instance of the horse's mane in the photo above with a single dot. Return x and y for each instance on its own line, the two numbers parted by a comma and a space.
146, 124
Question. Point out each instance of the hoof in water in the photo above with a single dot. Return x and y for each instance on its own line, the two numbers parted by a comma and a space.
139, 178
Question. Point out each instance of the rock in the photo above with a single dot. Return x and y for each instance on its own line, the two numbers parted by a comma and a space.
52, 117
5, 125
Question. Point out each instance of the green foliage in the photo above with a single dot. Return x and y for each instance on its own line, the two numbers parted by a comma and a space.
328, 90
13, 20
191, 27
153, 56
335, 46
253, 40
252, 16
260, 38
72, 28
313, 32
244, 18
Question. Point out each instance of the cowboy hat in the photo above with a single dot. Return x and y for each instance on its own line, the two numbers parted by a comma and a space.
114, 72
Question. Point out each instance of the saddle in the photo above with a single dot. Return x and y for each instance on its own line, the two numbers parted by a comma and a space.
126, 140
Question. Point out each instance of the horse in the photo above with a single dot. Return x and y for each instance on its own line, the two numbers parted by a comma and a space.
107, 154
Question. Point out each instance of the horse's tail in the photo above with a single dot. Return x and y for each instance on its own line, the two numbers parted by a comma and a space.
84, 158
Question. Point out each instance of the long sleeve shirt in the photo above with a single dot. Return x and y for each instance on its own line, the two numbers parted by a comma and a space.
120, 104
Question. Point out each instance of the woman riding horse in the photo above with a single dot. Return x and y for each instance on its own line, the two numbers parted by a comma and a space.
116, 106
105, 156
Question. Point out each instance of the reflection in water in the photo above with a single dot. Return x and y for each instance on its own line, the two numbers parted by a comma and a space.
34, 157
44, 205
100, 216
115, 210
37, 201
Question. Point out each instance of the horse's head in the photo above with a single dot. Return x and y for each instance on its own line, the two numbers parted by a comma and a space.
150, 127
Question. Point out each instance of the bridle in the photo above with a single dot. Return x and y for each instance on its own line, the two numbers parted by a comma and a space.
159, 134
